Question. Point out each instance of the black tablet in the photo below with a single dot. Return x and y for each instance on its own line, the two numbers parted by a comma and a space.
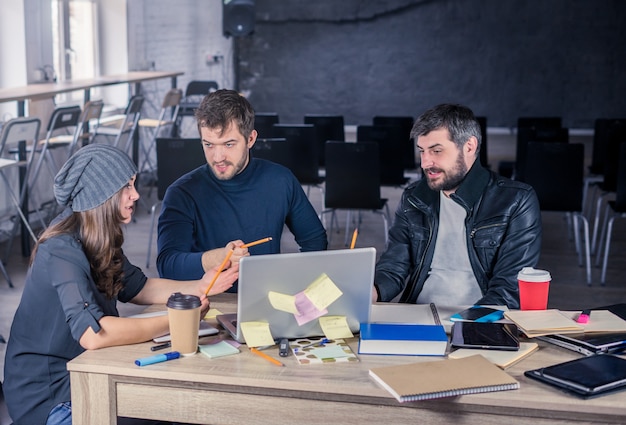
587, 377
485, 335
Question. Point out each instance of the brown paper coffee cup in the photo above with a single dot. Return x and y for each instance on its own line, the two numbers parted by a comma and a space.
183, 312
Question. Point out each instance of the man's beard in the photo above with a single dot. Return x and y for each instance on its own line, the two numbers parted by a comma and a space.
451, 178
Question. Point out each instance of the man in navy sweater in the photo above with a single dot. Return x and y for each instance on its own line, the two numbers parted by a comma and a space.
232, 200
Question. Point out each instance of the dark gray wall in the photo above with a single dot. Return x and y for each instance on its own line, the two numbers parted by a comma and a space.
502, 58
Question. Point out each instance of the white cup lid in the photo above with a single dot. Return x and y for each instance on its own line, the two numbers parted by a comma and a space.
529, 274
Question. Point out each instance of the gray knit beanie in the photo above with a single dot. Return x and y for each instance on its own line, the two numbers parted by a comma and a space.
92, 175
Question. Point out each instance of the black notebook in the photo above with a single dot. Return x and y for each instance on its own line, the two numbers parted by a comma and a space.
586, 377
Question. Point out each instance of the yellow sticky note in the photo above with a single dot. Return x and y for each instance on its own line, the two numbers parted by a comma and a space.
283, 302
257, 334
335, 327
322, 292
212, 313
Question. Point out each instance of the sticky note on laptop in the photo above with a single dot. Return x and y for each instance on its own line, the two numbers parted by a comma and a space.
257, 334
335, 327
323, 292
283, 302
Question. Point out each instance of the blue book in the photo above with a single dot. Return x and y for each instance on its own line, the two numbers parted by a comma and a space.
403, 339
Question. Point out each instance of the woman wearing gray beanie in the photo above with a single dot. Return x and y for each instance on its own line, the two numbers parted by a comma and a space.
77, 274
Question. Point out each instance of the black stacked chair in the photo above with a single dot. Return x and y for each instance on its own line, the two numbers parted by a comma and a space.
406, 125
276, 149
555, 171
264, 124
601, 130
328, 127
353, 183
305, 165
616, 134
536, 129
392, 146
616, 208
175, 157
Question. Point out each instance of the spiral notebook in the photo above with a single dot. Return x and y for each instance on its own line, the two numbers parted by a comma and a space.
445, 378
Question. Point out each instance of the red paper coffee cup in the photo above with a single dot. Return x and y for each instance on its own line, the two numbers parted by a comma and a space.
534, 286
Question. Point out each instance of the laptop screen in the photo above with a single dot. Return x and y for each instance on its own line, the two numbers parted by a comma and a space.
351, 271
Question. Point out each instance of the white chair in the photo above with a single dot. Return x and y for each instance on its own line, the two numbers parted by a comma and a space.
121, 127
13, 132
156, 126
89, 119
63, 130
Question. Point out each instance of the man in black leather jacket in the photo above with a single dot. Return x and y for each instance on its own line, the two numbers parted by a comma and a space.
467, 251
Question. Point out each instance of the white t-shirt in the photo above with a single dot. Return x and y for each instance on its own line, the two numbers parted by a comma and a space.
451, 280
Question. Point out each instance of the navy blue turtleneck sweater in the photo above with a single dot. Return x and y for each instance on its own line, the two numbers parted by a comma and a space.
200, 213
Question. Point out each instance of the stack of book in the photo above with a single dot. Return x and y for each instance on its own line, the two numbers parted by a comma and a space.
403, 329
403, 339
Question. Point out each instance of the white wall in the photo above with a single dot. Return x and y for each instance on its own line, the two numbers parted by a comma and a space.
12, 51
113, 49
180, 36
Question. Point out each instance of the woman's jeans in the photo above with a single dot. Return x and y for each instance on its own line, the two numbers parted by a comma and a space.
61, 414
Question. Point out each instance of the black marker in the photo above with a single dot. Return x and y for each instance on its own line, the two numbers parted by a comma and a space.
283, 347
162, 346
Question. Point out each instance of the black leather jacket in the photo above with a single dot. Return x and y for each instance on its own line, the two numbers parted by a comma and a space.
503, 228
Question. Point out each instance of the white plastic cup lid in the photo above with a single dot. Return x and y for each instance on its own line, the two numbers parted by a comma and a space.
529, 274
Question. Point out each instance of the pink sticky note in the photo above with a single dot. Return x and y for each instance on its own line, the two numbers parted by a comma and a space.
306, 309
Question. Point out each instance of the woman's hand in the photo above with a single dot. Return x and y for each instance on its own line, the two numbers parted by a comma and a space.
224, 281
205, 307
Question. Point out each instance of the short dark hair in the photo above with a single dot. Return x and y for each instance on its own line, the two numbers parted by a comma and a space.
457, 119
222, 107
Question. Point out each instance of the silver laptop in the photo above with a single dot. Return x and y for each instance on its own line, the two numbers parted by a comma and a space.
589, 343
351, 270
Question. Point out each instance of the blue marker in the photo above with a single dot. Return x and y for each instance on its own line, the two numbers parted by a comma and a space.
158, 358
320, 342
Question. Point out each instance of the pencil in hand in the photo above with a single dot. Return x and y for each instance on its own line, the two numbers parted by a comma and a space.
219, 270
260, 241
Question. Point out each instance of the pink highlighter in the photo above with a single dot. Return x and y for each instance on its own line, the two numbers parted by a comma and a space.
584, 317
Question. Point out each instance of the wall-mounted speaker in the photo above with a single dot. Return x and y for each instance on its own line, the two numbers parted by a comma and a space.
238, 17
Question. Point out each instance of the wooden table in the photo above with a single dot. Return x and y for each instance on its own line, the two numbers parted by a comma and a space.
246, 389
48, 90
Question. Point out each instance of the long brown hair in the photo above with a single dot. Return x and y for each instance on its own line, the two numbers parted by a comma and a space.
101, 235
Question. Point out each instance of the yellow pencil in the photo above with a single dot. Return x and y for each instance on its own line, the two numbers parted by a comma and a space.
260, 241
354, 235
218, 272
265, 356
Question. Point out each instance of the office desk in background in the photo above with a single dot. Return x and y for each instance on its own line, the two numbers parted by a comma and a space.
246, 389
39, 91
44, 93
